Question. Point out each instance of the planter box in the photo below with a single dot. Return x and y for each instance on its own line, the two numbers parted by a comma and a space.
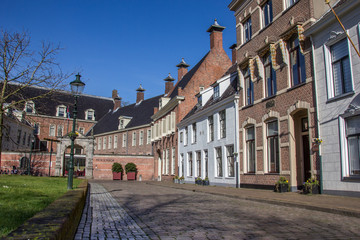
282, 188
131, 176
206, 182
314, 190
176, 180
117, 176
181, 181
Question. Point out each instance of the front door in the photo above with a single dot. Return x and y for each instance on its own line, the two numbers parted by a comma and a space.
159, 168
306, 154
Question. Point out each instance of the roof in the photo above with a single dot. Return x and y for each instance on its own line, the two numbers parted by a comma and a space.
48, 104
187, 77
231, 90
140, 115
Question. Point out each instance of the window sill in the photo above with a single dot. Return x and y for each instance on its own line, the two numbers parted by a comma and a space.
249, 173
296, 86
218, 177
270, 173
230, 178
351, 179
339, 97
247, 106
268, 98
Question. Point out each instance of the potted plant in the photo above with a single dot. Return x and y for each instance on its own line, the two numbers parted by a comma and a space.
206, 181
198, 181
131, 170
117, 171
311, 186
181, 180
176, 179
282, 185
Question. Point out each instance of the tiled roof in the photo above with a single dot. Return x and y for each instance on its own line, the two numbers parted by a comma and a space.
140, 113
231, 90
48, 104
186, 79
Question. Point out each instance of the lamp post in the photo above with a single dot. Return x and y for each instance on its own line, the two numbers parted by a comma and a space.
77, 87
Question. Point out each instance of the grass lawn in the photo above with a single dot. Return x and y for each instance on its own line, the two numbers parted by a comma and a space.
21, 197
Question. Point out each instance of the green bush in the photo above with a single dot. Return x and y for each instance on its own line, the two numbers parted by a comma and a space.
117, 167
130, 167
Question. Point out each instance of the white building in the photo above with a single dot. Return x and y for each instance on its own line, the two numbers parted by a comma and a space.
337, 80
208, 135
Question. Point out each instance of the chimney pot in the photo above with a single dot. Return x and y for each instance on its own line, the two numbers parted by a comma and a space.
182, 69
140, 94
215, 31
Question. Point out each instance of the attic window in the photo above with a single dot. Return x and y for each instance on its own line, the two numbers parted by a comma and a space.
60, 111
200, 99
123, 121
90, 114
30, 107
121, 124
216, 91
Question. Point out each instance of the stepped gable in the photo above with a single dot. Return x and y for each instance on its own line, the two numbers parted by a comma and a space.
231, 90
47, 105
139, 112
187, 77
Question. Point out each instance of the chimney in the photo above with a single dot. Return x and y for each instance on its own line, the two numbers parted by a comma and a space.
215, 31
169, 83
140, 94
182, 69
117, 99
233, 51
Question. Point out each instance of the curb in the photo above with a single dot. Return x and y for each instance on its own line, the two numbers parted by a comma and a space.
334, 210
59, 220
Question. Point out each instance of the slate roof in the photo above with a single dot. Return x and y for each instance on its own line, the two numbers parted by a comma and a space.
186, 78
231, 90
141, 114
47, 105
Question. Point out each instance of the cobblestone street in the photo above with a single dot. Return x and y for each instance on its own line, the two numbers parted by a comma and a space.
156, 212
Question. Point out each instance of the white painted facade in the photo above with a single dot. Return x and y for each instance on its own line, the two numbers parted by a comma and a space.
338, 177
205, 148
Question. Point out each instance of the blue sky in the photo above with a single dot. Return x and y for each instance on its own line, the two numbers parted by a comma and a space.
119, 44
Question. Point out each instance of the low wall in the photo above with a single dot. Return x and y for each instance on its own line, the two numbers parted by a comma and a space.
59, 220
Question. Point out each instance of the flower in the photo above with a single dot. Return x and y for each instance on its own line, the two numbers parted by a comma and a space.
318, 140
310, 184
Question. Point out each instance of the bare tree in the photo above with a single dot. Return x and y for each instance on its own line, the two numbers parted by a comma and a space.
22, 67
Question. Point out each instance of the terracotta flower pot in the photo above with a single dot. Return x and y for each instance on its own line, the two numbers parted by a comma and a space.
117, 175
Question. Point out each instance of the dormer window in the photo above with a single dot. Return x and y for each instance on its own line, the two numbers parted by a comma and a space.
123, 121
60, 111
30, 107
163, 101
200, 100
216, 91
90, 114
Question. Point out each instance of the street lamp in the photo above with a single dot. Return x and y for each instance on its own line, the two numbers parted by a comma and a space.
77, 87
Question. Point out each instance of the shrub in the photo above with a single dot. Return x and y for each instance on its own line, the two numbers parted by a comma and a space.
117, 167
130, 167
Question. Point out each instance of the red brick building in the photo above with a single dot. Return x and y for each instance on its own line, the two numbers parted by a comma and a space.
180, 99
277, 112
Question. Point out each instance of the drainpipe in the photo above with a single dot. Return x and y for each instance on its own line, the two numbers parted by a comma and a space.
236, 153
316, 119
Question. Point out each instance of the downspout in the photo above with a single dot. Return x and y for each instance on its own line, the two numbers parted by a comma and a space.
236, 153
316, 112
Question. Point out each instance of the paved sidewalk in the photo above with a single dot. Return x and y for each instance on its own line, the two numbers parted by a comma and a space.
348, 206
104, 218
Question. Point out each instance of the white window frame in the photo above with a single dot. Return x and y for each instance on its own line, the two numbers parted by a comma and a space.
267, 145
211, 130
289, 3
245, 27
190, 164
99, 143
124, 141
186, 134
141, 138
104, 143
222, 124
194, 130
58, 111
167, 169
87, 112
134, 138
110, 144
198, 163
52, 130
148, 136
247, 153
230, 158
60, 130
30, 104
219, 169
263, 14
173, 152
115, 141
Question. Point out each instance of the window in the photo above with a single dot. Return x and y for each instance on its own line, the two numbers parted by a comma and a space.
230, 161
99, 143
90, 114
206, 161
81, 130
29, 140
61, 111
163, 162
247, 30
341, 72
167, 161
267, 13
270, 76
110, 142
7, 132
222, 121
182, 164
18, 136
134, 139
121, 124
141, 138
250, 147
173, 161
218, 153
115, 141
194, 133
60, 130
36, 128
181, 136
200, 100
190, 164
30, 107
297, 62
148, 137
124, 143
104, 143
249, 86
211, 128
216, 91
353, 141
186, 136
52, 131
273, 147
24, 139
198, 164
289, 3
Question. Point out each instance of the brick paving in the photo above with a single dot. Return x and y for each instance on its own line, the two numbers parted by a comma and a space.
165, 211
